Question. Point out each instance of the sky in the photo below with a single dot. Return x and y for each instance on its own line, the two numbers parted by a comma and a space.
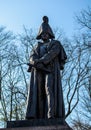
14, 14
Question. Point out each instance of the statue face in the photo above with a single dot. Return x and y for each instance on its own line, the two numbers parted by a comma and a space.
45, 36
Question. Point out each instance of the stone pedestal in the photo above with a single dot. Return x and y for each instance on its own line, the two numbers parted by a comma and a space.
40, 124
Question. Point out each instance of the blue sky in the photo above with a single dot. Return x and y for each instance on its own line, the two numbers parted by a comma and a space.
16, 13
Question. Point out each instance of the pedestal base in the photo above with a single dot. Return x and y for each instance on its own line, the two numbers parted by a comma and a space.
38, 124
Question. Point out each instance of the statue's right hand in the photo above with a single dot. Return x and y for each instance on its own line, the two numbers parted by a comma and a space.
34, 62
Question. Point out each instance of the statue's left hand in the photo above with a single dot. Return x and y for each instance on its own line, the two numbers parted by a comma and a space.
39, 65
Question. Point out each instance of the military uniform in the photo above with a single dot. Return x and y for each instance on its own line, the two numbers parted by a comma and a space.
45, 99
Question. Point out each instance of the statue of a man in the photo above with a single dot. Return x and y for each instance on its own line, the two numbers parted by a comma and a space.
45, 99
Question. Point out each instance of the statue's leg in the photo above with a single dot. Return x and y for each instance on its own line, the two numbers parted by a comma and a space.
49, 94
41, 95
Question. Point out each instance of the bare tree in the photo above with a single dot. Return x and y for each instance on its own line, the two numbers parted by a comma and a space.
15, 79
12, 79
74, 75
84, 21
83, 120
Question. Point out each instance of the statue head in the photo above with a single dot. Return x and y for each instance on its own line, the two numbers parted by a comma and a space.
45, 29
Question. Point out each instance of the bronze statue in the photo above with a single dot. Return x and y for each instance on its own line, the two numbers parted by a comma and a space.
45, 99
